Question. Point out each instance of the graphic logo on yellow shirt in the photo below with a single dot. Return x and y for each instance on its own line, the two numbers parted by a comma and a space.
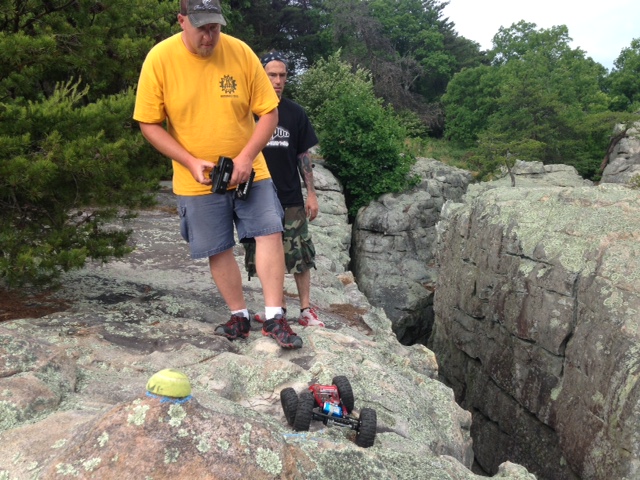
228, 84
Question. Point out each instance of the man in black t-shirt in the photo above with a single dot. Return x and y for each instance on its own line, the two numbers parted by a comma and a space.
288, 158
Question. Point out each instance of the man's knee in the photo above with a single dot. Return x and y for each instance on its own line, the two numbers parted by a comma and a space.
273, 239
269, 249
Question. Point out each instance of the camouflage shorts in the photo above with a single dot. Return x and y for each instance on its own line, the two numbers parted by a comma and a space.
299, 252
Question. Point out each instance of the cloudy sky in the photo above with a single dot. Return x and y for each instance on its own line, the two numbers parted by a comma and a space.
601, 28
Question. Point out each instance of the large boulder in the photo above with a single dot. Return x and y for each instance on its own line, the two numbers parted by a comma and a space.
35, 376
624, 161
534, 174
394, 242
537, 326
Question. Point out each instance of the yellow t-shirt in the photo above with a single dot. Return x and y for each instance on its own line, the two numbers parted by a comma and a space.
208, 103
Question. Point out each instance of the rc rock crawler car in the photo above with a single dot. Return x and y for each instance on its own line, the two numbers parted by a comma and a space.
333, 405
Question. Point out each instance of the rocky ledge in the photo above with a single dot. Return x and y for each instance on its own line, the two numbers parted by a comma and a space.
73, 400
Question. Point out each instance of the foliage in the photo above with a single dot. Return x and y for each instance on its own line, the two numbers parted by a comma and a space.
519, 39
298, 28
72, 162
64, 170
539, 100
441, 149
624, 81
412, 124
469, 102
103, 43
497, 151
361, 141
414, 30
410, 51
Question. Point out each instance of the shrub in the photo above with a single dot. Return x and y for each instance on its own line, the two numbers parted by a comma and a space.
361, 140
66, 171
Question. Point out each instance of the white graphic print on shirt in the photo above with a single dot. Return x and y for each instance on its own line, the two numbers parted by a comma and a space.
280, 138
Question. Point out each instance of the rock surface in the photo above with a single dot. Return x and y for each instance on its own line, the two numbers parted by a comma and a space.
394, 241
624, 163
72, 384
537, 325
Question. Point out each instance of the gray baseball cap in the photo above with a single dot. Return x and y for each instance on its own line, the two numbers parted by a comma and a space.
203, 12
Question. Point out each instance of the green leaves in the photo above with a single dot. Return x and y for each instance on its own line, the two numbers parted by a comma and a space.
104, 43
361, 140
66, 172
410, 51
533, 102
72, 163
624, 81
470, 100
298, 28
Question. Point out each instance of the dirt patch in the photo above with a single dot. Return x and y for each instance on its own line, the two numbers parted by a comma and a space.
15, 304
352, 315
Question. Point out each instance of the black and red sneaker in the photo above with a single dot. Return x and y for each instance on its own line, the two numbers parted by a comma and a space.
278, 329
237, 327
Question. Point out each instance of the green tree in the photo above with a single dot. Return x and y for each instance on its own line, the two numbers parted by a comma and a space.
521, 38
361, 141
411, 51
66, 171
102, 43
469, 102
298, 27
416, 31
72, 162
534, 102
624, 80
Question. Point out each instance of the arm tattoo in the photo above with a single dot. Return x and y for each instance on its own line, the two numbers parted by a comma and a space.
305, 168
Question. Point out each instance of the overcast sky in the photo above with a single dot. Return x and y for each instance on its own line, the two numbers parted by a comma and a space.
601, 28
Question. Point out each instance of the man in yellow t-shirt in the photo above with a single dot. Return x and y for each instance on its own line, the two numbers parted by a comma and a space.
206, 87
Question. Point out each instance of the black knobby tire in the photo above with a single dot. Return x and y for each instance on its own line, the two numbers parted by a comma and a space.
345, 392
304, 413
289, 401
366, 435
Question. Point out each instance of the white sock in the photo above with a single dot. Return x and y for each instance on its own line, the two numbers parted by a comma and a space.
241, 313
270, 312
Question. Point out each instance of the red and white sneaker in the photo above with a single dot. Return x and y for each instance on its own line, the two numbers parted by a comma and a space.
309, 318
255, 316
258, 318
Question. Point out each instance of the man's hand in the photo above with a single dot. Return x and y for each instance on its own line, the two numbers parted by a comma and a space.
243, 163
311, 206
305, 167
242, 166
201, 171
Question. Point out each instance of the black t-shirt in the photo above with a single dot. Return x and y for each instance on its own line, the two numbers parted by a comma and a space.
293, 136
